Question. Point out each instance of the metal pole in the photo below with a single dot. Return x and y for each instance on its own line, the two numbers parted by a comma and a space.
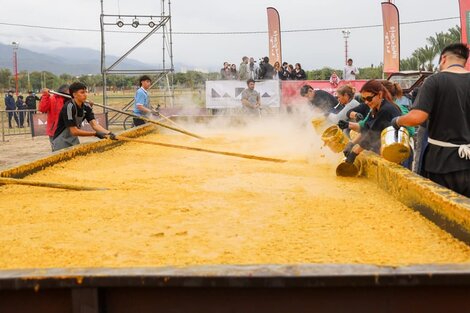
346, 33
103, 56
15, 64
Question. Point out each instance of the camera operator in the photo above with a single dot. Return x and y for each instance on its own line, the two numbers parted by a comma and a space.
266, 70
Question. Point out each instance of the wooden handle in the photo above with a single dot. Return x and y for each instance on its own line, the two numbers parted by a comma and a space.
239, 155
137, 116
15, 181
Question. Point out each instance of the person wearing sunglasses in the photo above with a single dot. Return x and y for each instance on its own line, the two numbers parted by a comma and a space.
382, 111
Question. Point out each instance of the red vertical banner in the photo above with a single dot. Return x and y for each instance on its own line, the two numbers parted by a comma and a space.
274, 33
391, 25
465, 24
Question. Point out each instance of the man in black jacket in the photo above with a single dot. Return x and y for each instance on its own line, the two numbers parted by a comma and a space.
266, 70
31, 105
10, 107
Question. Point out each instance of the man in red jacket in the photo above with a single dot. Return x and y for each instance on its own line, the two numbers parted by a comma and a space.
52, 104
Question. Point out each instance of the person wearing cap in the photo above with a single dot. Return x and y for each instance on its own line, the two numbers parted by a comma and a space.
10, 107
73, 113
31, 105
51, 105
142, 100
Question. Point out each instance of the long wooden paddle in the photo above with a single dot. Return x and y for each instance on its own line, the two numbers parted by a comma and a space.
16, 181
234, 154
136, 116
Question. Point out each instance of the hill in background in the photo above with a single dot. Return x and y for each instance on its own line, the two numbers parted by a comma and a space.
74, 61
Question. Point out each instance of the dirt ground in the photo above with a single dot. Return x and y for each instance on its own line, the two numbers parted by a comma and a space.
19, 149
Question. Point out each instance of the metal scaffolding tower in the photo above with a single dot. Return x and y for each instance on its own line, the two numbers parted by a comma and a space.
161, 77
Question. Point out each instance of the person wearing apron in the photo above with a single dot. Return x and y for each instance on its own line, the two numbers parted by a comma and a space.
71, 117
444, 102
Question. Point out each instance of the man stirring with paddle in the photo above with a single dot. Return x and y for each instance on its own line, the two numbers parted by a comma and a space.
71, 117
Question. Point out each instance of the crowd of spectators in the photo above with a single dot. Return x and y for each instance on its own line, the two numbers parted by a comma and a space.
249, 68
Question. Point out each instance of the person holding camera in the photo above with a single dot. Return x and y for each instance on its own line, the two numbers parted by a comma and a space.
266, 70
350, 71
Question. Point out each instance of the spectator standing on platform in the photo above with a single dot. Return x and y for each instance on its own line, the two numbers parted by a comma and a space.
266, 70
253, 68
31, 105
277, 70
142, 100
299, 73
233, 71
225, 72
10, 107
244, 71
52, 104
284, 74
350, 71
444, 101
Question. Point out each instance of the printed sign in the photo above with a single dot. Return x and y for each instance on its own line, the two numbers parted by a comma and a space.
226, 94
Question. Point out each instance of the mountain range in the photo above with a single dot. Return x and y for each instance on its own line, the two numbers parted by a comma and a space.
74, 61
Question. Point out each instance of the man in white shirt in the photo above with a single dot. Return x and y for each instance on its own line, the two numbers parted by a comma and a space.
350, 71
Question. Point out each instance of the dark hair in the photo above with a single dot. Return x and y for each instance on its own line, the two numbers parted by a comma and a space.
20, 97
250, 81
304, 90
76, 86
266, 60
300, 66
350, 60
142, 78
64, 89
346, 90
375, 86
459, 50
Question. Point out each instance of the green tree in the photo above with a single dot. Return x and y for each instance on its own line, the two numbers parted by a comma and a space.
5, 77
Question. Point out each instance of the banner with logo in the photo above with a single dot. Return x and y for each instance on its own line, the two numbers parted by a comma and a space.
40, 121
290, 89
391, 25
226, 94
465, 23
274, 33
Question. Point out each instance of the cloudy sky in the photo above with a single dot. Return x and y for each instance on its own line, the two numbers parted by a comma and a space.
303, 40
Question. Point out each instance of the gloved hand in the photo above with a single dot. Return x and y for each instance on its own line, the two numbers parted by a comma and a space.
348, 148
112, 136
343, 124
359, 117
395, 124
101, 135
351, 157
